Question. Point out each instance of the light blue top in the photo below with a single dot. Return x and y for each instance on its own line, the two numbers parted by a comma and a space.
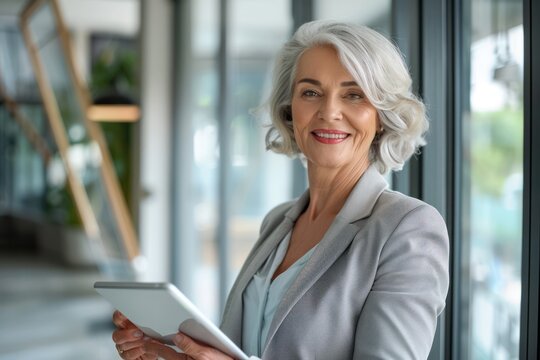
262, 296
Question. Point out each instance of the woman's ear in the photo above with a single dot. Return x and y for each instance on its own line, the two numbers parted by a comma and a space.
379, 130
379, 125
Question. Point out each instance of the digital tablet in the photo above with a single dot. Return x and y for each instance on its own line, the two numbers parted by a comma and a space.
160, 310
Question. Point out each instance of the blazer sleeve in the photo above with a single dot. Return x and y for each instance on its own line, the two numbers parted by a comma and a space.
399, 317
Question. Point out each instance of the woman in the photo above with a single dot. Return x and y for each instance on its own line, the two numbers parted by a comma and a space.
351, 270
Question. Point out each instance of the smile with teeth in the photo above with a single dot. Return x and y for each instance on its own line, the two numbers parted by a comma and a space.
330, 136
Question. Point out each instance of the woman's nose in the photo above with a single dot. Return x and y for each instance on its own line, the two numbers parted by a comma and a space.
330, 109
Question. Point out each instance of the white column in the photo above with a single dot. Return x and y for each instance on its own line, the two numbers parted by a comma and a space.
155, 138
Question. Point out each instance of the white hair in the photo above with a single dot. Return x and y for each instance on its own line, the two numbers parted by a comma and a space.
378, 68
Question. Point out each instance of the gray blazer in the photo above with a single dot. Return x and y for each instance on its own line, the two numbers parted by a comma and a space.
372, 289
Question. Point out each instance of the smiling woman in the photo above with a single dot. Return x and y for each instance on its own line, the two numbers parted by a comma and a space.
372, 263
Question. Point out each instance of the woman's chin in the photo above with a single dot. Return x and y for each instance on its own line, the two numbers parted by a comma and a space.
327, 162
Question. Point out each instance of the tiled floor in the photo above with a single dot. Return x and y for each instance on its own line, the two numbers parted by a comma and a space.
50, 312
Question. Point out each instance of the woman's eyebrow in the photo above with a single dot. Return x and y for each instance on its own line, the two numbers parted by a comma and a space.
309, 81
318, 83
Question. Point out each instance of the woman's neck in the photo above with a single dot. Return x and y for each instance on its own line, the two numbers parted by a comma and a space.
329, 188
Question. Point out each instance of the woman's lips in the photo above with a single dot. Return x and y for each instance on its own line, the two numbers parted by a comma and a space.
328, 136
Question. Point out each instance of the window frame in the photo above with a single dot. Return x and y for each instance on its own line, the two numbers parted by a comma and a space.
529, 322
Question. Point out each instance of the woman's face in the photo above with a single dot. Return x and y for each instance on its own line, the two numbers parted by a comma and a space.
334, 123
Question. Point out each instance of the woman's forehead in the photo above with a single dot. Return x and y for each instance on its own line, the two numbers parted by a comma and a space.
322, 64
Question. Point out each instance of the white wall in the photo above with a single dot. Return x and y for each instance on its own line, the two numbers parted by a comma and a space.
86, 17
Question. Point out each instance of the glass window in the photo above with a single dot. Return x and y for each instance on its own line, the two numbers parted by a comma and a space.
375, 14
259, 179
491, 180
22, 169
203, 288
253, 186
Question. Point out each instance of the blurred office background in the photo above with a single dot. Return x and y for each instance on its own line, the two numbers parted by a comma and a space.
197, 180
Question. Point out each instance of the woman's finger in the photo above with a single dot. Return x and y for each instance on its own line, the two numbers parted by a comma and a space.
129, 345
187, 344
163, 351
197, 350
121, 321
122, 336
132, 354
149, 357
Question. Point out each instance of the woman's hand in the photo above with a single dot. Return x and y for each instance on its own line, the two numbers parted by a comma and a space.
133, 345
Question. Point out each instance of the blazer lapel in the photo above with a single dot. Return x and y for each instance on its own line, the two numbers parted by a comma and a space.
335, 241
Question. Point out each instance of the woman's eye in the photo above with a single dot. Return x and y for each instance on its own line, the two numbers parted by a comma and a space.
309, 93
355, 96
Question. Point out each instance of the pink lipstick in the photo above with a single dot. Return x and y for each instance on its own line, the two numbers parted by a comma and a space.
329, 136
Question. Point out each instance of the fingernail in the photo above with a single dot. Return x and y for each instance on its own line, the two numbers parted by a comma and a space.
178, 338
137, 334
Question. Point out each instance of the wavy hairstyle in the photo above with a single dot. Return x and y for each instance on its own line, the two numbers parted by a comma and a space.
378, 68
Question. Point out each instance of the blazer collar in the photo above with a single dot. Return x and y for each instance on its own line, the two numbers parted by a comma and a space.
364, 195
360, 202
